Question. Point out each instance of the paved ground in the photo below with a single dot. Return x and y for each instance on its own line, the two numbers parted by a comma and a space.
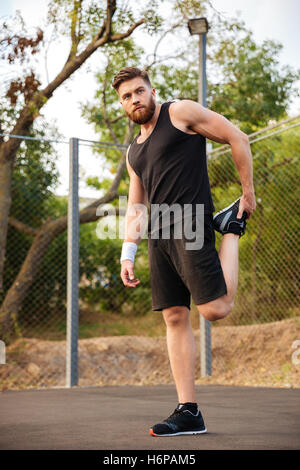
120, 417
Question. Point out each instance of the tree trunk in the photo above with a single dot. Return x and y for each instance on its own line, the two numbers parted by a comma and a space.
6, 168
17, 292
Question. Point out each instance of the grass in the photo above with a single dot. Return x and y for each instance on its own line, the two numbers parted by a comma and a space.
93, 324
111, 324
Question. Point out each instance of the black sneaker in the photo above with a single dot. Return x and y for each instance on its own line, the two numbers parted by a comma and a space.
180, 422
225, 221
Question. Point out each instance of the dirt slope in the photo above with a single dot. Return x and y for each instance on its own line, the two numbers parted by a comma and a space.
256, 355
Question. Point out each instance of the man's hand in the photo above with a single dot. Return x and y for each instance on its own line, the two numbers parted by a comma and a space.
247, 203
127, 274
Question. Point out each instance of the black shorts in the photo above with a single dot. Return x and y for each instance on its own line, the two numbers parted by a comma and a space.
177, 273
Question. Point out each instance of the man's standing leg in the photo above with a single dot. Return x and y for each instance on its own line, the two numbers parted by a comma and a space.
180, 338
182, 351
186, 418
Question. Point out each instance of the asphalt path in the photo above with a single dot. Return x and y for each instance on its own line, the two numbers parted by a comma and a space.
112, 417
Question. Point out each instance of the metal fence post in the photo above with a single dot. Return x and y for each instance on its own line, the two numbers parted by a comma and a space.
73, 267
205, 347
205, 330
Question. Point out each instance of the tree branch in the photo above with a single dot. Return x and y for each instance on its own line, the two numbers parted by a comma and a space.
22, 227
170, 30
75, 37
284, 162
112, 121
90, 215
118, 37
31, 110
162, 59
110, 11
101, 31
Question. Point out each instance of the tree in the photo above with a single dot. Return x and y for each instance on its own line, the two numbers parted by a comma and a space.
245, 81
51, 228
245, 71
182, 82
89, 27
251, 71
33, 201
253, 88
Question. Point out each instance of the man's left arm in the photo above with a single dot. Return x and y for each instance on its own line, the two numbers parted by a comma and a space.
219, 129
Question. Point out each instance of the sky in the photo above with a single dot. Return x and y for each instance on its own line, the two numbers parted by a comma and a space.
268, 19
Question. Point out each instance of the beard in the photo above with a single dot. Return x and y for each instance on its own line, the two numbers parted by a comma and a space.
143, 115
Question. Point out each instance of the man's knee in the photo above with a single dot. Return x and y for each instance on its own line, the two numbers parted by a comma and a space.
213, 311
176, 315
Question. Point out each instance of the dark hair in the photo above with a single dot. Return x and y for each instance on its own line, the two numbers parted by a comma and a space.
127, 73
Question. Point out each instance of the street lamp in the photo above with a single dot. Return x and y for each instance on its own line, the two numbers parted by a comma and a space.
200, 26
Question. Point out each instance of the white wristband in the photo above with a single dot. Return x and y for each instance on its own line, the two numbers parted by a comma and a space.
128, 251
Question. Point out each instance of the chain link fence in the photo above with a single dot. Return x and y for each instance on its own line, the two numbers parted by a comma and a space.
268, 277
268, 291
35, 278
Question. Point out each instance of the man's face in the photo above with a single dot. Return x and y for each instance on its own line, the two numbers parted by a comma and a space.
137, 99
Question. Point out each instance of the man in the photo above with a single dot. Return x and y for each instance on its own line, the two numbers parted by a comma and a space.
166, 163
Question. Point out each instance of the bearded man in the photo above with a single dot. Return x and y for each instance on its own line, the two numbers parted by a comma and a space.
167, 165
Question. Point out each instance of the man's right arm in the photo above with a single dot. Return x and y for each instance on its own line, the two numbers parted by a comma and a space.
134, 215
134, 223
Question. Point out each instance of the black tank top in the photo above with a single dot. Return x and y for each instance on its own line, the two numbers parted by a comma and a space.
172, 165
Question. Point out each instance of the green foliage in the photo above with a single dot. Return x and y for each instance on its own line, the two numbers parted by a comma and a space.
35, 178
246, 85
268, 259
190, 8
86, 18
245, 82
173, 82
101, 284
252, 88
119, 55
